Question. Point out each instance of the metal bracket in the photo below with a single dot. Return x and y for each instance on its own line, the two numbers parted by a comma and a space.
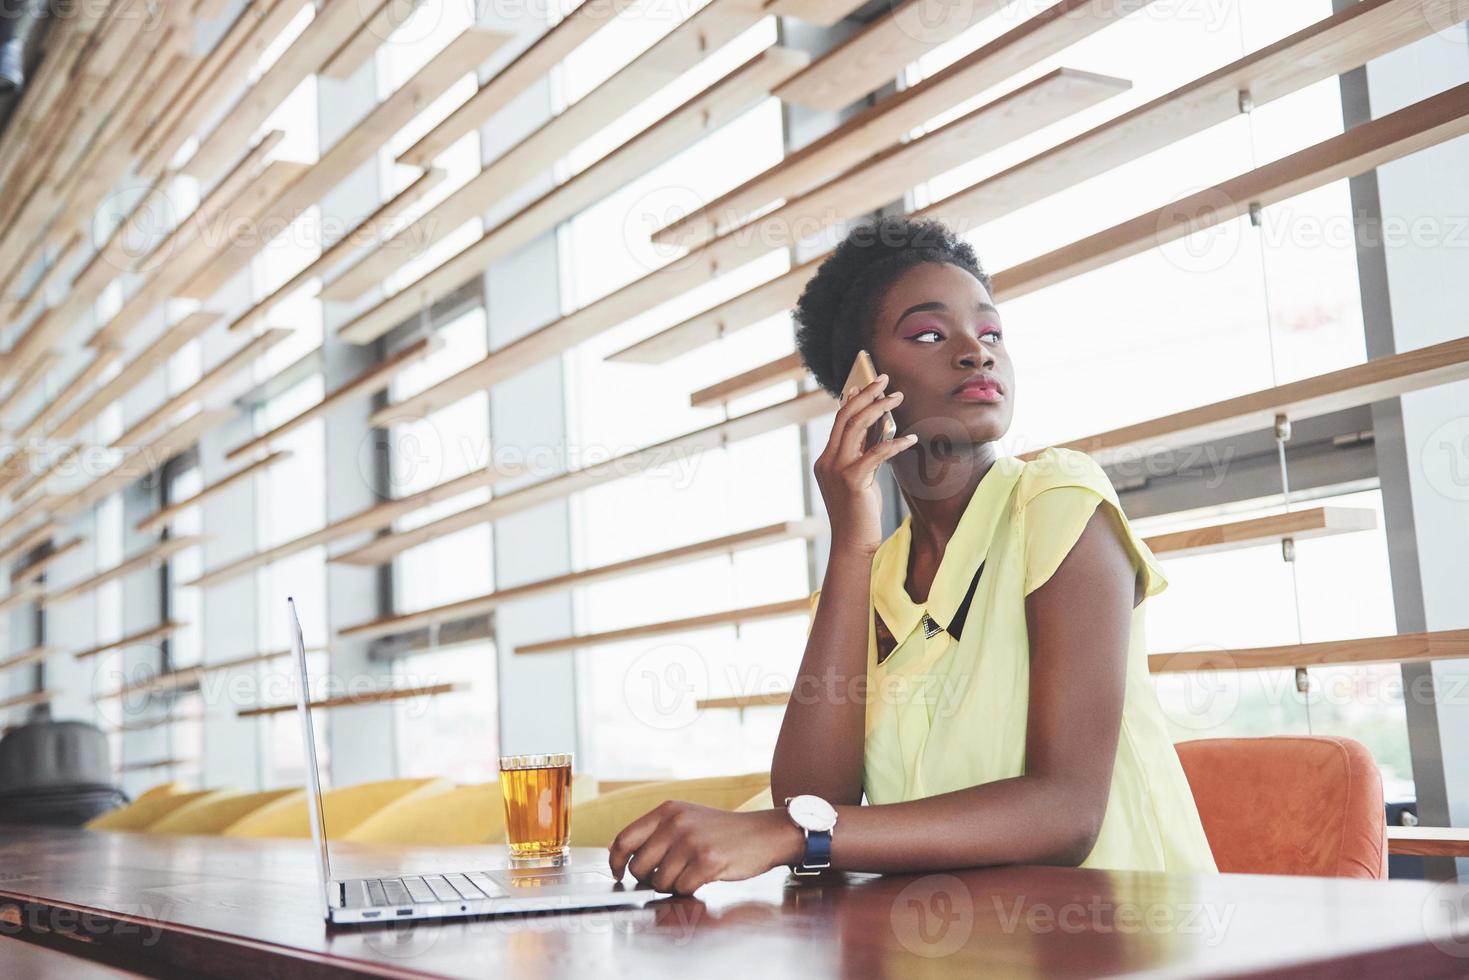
1282, 427
1246, 101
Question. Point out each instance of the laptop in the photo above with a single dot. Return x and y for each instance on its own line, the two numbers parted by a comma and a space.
531, 886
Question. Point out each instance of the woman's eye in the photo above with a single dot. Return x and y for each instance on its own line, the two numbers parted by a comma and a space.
927, 336
992, 333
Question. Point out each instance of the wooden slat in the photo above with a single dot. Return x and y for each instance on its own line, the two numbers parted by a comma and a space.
725, 617
184, 677
22, 512
369, 382
879, 180
1423, 124
718, 22
78, 383
726, 544
803, 407
365, 697
373, 518
209, 382
890, 120
150, 558
1403, 648
247, 213
263, 206
1361, 384
25, 700
887, 175
823, 13
787, 368
157, 520
355, 148
1428, 841
132, 639
53, 274
1371, 144
28, 382
528, 67
1407, 648
1338, 43
218, 79
334, 20
1348, 39
1298, 525
153, 723
720, 103
338, 251
28, 541
38, 567
154, 764
32, 656
376, 28
144, 461
226, 193
745, 701
19, 597
152, 358
874, 55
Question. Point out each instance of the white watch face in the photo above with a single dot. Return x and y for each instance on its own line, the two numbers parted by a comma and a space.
812, 813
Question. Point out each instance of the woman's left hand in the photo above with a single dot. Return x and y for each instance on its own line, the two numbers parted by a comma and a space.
676, 847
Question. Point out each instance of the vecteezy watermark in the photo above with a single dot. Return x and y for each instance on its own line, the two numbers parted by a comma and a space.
125, 692
1445, 917
1445, 459
1103, 916
1198, 232
936, 916
1198, 699
421, 454
933, 916
1446, 19
663, 686
140, 925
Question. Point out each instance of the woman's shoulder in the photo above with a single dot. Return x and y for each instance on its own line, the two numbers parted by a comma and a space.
1056, 466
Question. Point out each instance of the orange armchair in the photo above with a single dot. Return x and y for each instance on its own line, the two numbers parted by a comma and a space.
1289, 804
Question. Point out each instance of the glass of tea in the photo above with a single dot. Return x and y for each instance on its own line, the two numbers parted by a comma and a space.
537, 793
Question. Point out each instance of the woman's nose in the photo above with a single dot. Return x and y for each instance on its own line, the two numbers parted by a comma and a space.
975, 354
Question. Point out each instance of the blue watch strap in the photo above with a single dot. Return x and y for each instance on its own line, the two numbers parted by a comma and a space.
818, 853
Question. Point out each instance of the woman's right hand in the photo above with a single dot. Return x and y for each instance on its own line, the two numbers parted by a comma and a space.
847, 476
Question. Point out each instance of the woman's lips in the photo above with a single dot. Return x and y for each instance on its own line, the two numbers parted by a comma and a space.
979, 390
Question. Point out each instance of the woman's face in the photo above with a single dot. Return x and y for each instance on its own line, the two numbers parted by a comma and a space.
938, 338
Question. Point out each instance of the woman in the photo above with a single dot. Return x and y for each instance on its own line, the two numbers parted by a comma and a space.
980, 675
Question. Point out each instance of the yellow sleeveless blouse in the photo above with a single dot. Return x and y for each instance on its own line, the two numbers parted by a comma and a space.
946, 714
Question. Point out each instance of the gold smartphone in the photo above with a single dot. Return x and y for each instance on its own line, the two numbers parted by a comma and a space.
863, 374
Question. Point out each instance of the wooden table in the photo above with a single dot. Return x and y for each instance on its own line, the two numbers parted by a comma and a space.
211, 906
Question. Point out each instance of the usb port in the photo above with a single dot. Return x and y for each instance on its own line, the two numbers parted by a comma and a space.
371, 915
405, 911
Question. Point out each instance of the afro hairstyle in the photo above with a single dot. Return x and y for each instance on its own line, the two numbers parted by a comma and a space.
838, 307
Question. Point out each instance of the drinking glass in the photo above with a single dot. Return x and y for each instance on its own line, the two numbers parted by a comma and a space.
537, 793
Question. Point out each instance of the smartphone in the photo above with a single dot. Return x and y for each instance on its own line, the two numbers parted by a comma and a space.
863, 374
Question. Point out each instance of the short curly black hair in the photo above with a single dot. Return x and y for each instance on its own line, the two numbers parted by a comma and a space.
835, 313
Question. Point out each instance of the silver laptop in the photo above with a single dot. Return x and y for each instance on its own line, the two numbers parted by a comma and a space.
534, 887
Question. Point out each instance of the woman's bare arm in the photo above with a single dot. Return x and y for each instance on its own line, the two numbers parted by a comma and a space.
1079, 623
819, 749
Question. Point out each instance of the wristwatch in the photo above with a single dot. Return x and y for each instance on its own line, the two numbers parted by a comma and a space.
815, 817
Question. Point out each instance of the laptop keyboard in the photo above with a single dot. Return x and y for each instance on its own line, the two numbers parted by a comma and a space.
427, 889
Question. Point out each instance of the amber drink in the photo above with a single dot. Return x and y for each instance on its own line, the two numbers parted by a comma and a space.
537, 793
